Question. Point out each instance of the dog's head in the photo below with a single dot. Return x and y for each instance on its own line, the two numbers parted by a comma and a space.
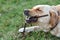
37, 11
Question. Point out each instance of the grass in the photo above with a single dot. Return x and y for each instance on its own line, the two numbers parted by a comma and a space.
11, 19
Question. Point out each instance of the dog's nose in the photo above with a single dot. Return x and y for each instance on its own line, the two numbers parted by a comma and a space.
26, 12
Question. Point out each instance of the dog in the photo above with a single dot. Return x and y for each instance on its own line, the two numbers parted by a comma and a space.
49, 23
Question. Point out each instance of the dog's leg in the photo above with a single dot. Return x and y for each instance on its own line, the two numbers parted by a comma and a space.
29, 29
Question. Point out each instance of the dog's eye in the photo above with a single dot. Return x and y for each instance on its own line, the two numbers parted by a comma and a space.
38, 10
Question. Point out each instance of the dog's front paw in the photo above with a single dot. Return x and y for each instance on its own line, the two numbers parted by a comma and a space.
21, 29
28, 29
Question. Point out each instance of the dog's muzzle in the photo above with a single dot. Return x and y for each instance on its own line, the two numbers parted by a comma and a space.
32, 18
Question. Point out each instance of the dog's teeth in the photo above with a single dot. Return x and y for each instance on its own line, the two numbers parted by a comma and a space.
27, 18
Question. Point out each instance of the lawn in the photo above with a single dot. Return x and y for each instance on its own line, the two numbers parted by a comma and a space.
11, 19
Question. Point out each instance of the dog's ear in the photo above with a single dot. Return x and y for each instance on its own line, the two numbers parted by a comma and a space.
53, 18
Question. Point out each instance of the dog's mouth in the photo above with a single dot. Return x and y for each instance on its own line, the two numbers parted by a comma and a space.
31, 19
34, 18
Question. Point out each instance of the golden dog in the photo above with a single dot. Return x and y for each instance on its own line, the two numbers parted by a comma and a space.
50, 23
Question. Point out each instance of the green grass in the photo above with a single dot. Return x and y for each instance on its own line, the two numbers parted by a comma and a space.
11, 19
